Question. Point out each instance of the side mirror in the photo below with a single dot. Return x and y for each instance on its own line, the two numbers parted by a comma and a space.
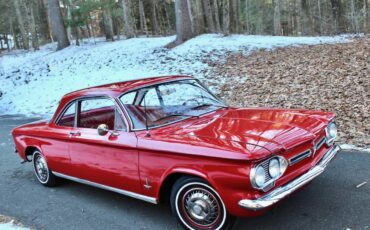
103, 129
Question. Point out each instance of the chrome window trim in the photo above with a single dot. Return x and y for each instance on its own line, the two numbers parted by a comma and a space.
164, 82
105, 187
90, 97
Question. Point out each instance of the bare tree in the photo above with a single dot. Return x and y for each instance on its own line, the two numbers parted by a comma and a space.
143, 25
365, 15
59, 30
337, 10
128, 20
108, 22
226, 16
216, 15
234, 15
155, 26
183, 22
196, 16
24, 33
276, 18
207, 10
32, 21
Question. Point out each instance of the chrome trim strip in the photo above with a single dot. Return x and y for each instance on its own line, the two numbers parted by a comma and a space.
284, 191
299, 157
120, 191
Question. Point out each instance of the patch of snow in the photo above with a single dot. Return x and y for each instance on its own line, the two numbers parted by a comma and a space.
11, 226
353, 147
32, 83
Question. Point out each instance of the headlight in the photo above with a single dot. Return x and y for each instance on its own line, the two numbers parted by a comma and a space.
260, 176
274, 168
266, 173
331, 132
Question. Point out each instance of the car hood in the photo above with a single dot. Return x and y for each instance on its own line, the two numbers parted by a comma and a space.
272, 130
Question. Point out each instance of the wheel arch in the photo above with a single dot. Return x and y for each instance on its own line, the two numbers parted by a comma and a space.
29, 150
171, 177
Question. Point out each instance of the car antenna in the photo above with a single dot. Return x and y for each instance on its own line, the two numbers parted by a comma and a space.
146, 118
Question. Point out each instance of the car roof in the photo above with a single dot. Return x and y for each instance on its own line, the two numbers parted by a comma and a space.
118, 88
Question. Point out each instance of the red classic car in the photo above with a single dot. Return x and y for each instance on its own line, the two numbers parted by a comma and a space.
169, 139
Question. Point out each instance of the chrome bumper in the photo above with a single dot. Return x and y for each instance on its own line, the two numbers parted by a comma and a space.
284, 191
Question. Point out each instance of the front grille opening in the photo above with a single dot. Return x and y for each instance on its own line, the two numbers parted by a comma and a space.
300, 157
320, 143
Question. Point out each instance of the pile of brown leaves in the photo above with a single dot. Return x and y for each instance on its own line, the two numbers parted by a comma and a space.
329, 77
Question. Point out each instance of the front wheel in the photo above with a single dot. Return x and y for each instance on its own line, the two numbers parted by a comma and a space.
42, 172
197, 206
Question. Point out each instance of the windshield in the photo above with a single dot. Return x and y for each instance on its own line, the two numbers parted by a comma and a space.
169, 102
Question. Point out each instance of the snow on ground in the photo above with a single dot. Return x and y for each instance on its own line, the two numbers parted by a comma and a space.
6, 223
11, 226
32, 83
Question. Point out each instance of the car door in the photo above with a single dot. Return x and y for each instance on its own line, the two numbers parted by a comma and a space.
57, 148
110, 159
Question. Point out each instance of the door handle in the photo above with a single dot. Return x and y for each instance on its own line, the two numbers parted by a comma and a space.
75, 133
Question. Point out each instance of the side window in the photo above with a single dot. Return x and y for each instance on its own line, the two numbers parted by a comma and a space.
128, 98
68, 117
151, 98
94, 112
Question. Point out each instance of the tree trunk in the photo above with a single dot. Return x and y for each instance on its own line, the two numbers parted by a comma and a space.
108, 23
234, 16
276, 19
167, 18
337, 10
196, 16
320, 17
247, 16
15, 44
155, 27
365, 12
354, 20
48, 20
308, 20
69, 17
31, 16
57, 24
127, 18
22, 28
216, 14
143, 25
226, 16
208, 16
183, 22
7, 42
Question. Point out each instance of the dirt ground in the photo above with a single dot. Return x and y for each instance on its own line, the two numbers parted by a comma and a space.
329, 77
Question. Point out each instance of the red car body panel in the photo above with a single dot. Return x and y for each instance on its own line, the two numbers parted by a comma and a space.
220, 147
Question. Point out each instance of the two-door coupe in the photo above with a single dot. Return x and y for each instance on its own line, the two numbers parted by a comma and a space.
169, 139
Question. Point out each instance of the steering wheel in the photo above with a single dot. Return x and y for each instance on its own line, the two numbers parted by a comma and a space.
189, 100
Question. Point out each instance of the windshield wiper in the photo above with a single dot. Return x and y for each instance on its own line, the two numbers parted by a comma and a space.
176, 115
203, 105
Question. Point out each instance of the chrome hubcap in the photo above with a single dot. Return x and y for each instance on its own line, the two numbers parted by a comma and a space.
41, 168
201, 207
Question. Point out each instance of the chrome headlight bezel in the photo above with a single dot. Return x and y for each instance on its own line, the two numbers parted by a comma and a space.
331, 132
267, 167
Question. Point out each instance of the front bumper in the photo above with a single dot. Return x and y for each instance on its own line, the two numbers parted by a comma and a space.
284, 191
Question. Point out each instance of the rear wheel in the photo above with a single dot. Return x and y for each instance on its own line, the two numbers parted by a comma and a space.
42, 172
198, 206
